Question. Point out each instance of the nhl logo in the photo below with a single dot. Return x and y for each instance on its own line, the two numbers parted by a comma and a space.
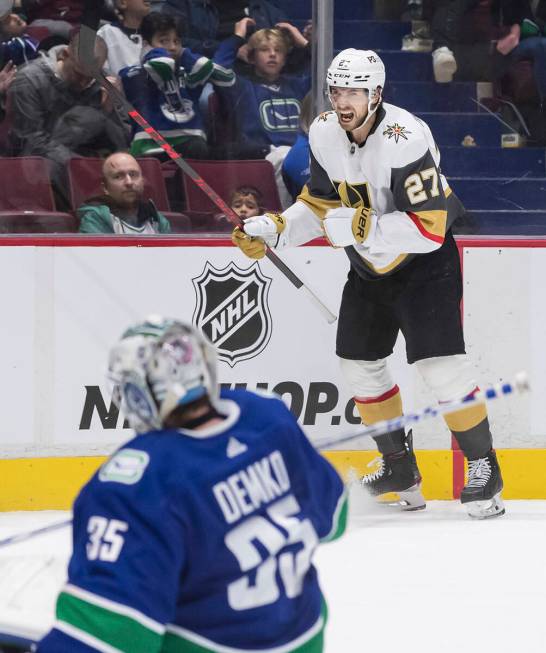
232, 310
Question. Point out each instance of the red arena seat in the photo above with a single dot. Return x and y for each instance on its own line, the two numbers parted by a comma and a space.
225, 177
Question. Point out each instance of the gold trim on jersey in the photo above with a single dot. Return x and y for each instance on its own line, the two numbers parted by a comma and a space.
434, 222
387, 268
447, 191
354, 195
318, 205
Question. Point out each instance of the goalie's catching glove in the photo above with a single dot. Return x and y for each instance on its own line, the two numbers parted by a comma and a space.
257, 233
347, 226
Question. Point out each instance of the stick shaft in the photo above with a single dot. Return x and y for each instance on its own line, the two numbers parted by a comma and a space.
208, 190
23, 537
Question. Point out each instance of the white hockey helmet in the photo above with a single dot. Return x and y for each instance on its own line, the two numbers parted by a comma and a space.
157, 365
357, 69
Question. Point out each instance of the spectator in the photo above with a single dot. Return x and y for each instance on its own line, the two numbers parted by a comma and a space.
58, 16
528, 41
295, 167
16, 45
59, 112
123, 37
166, 88
265, 107
208, 22
448, 30
121, 209
246, 202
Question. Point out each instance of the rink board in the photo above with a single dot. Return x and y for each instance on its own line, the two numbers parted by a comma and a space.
70, 298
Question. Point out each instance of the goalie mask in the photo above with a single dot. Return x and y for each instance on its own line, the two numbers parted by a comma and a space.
158, 365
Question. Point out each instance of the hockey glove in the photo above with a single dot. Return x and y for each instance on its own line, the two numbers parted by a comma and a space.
347, 226
258, 232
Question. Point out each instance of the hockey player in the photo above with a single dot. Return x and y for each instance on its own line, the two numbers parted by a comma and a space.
198, 534
376, 189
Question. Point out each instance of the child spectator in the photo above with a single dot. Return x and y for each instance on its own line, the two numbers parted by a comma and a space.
246, 202
166, 88
266, 106
123, 37
121, 209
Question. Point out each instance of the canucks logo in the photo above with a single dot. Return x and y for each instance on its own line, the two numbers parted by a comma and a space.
232, 310
396, 131
280, 115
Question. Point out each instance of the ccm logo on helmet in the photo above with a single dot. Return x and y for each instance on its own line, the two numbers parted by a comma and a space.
343, 75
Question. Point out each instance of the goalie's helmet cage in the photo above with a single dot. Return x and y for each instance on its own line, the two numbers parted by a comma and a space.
157, 365
353, 68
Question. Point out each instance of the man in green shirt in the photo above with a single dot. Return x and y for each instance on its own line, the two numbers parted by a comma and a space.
121, 209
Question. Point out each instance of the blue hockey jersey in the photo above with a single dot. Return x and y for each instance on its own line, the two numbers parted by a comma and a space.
266, 113
176, 115
201, 541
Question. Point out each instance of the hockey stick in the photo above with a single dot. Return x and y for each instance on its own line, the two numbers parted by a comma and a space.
22, 537
89, 24
519, 386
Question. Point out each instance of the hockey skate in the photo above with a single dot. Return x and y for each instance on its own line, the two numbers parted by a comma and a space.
397, 473
481, 494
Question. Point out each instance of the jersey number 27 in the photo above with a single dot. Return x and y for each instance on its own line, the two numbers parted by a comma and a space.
273, 534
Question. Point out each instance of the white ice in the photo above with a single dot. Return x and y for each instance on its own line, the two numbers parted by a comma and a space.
433, 581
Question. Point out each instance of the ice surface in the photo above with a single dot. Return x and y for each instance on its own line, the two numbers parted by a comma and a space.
425, 582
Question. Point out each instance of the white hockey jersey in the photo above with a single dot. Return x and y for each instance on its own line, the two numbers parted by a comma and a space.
395, 172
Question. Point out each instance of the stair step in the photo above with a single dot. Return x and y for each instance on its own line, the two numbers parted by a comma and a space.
404, 66
492, 161
361, 10
451, 128
429, 96
369, 34
503, 223
496, 194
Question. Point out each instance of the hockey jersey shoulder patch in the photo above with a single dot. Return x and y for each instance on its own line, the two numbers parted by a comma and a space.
396, 132
125, 466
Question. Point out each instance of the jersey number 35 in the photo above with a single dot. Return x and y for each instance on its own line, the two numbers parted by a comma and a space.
274, 534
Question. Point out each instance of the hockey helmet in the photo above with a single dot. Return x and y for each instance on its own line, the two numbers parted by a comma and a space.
357, 69
157, 365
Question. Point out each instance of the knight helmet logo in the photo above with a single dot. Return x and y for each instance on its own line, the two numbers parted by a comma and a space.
232, 310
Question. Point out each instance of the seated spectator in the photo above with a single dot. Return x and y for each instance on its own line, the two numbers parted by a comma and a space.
295, 167
266, 106
528, 41
246, 202
166, 88
121, 209
448, 29
16, 45
207, 22
59, 17
123, 37
59, 112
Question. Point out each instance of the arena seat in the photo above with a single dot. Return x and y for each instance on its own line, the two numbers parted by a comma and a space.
27, 204
225, 177
36, 222
84, 178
